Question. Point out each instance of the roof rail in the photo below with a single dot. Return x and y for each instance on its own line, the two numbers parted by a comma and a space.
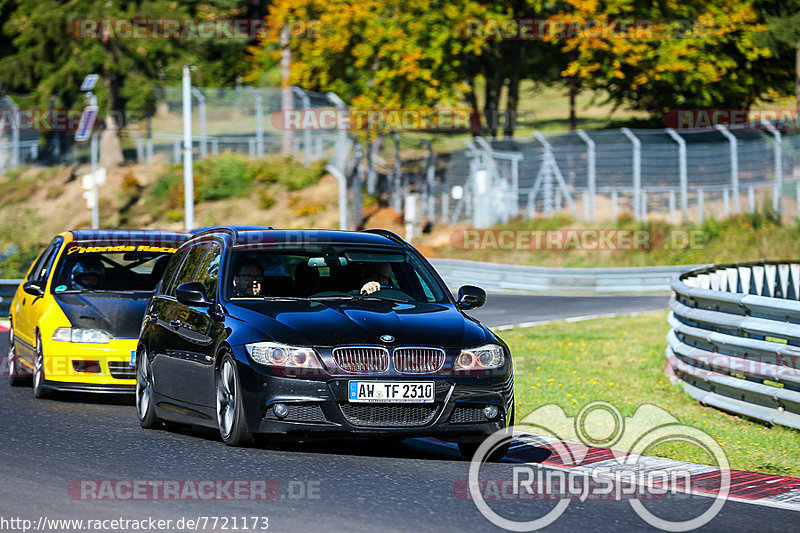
386, 233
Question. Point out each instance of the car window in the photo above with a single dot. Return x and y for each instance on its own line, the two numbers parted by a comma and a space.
170, 271
43, 263
208, 271
188, 268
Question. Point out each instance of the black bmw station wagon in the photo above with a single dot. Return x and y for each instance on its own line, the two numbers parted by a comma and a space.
318, 333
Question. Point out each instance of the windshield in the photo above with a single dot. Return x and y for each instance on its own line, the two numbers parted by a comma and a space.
331, 271
84, 267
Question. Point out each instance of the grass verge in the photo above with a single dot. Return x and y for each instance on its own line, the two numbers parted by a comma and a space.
621, 361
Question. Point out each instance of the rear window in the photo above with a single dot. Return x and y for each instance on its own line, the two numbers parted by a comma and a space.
91, 267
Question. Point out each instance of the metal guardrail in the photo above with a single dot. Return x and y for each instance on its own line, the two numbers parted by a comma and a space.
494, 276
7, 289
735, 339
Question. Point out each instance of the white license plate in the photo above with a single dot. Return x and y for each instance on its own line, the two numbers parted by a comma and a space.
391, 391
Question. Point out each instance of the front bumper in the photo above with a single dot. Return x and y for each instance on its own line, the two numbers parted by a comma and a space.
319, 407
98, 368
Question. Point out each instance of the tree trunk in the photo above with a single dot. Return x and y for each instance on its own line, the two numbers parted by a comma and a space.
494, 76
110, 145
797, 78
513, 90
573, 121
475, 122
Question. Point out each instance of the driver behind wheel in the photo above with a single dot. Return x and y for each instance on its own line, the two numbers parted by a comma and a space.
88, 274
379, 276
249, 278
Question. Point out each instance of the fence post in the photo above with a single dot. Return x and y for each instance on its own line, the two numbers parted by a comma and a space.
684, 181
644, 205
15, 135
430, 181
201, 101
356, 187
797, 197
251, 147
700, 214
637, 171
734, 165
672, 206
306, 132
397, 193
614, 205
139, 148
751, 199
585, 205
591, 172
778, 156
548, 173
726, 207
259, 101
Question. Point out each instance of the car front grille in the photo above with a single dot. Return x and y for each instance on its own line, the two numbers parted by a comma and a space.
467, 415
389, 416
121, 370
362, 360
300, 413
418, 360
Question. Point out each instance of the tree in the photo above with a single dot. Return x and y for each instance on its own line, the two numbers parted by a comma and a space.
714, 63
373, 54
51, 54
782, 37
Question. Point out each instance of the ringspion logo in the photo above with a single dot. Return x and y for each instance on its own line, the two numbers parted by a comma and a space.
628, 476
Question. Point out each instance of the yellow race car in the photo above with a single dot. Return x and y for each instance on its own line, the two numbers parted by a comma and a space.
75, 319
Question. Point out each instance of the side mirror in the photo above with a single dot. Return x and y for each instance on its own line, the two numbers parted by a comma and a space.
34, 288
192, 293
470, 297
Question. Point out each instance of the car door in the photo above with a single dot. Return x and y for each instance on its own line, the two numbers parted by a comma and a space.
175, 348
199, 333
30, 308
160, 332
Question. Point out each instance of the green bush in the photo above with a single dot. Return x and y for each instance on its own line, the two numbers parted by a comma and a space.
17, 264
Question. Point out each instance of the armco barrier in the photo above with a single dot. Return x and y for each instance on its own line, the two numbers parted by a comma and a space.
495, 276
7, 289
735, 338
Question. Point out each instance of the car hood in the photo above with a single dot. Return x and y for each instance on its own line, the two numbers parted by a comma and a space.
119, 314
356, 322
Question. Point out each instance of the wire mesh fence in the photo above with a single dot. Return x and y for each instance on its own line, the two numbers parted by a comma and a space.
592, 175
603, 175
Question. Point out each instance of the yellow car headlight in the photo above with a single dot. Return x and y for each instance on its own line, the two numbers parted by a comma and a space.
92, 336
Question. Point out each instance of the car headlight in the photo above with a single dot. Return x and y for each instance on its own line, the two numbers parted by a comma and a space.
92, 336
482, 358
282, 355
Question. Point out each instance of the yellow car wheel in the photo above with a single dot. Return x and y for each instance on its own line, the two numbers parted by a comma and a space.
13, 369
39, 391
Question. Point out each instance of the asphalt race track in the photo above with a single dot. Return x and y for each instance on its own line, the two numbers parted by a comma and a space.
507, 309
348, 485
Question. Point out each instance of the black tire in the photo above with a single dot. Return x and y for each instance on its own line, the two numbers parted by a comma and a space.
230, 413
39, 390
468, 448
145, 405
13, 369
